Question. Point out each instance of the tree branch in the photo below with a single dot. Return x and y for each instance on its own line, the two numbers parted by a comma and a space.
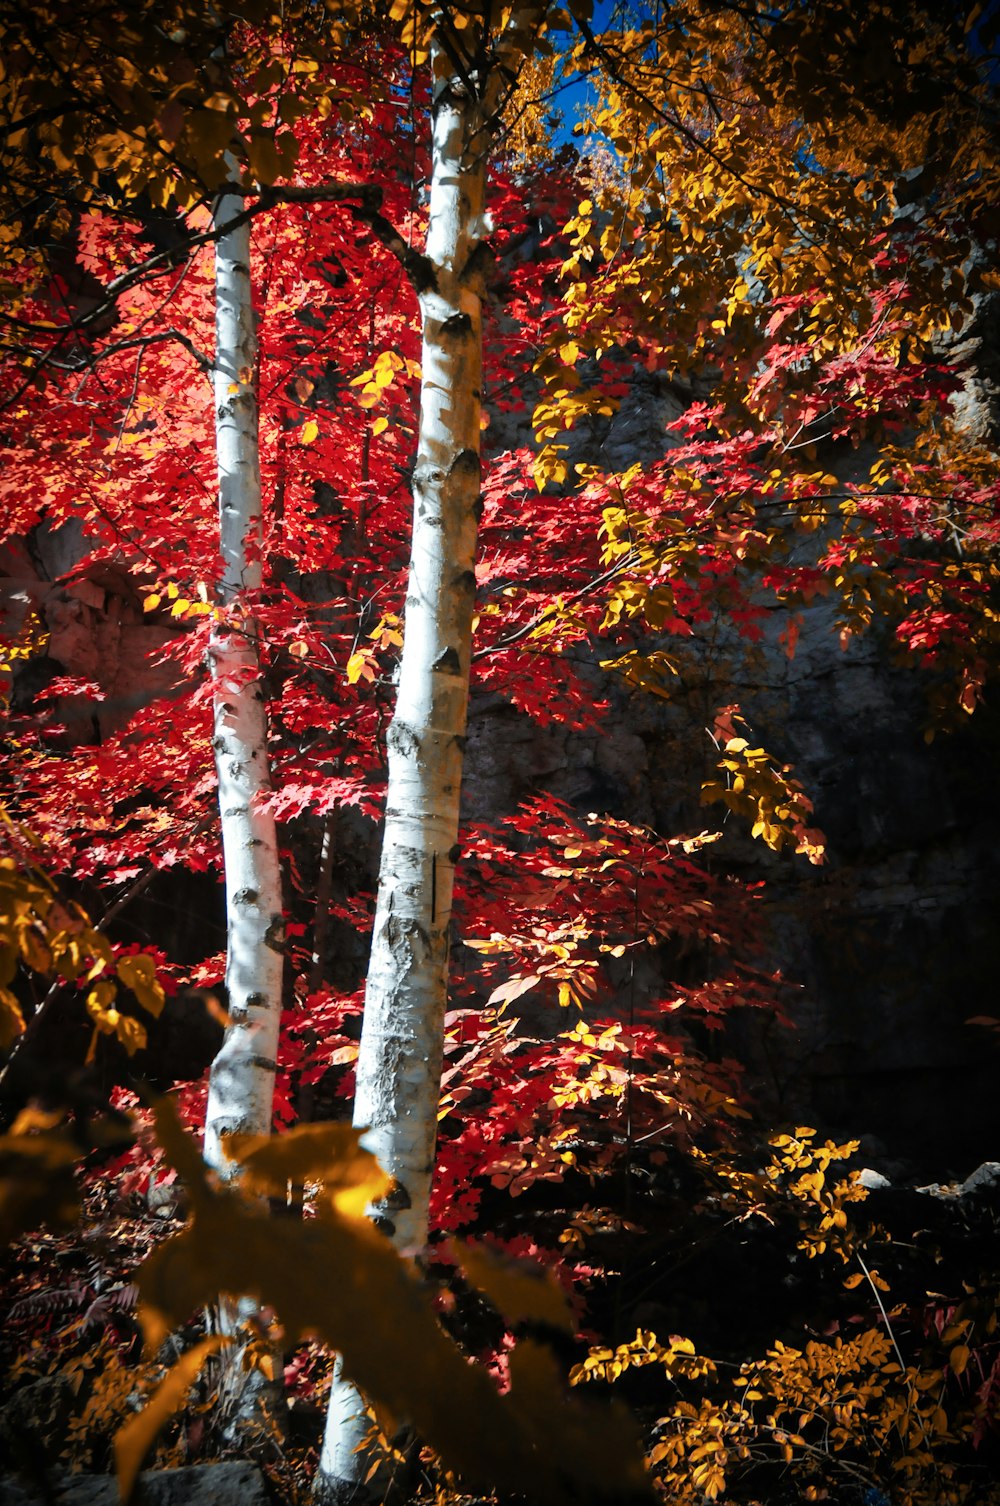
369, 194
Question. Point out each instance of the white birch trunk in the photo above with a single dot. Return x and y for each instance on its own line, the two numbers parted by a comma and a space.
241, 1082
399, 1067
241, 1089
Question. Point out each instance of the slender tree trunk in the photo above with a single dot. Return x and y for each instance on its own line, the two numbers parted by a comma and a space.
399, 1066
241, 1085
241, 1088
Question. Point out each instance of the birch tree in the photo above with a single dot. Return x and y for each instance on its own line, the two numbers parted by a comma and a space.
241, 1087
241, 1082
399, 1064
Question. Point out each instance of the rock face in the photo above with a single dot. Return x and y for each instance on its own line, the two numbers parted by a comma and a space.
97, 634
894, 944
230, 1484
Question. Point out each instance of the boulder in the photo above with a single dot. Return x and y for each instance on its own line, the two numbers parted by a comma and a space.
233, 1483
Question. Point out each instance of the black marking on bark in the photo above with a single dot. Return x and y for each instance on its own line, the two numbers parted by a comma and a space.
396, 1199
274, 936
265, 1063
454, 852
465, 462
478, 508
402, 739
466, 581
421, 272
219, 744
234, 810
426, 478
402, 930
481, 264
257, 1001
245, 897
448, 662
460, 741
457, 326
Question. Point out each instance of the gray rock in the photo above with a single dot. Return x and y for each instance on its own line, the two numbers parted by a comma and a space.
982, 1178
230, 1484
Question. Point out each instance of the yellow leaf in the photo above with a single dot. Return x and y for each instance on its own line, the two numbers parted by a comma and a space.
99, 999
330, 1154
358, 667
36, 1178
139, 974
298, 649
380, 425
133, 1441
151, 603
265, 164
34, 950
131, 1033
959, 1358
11, 1018
309, 432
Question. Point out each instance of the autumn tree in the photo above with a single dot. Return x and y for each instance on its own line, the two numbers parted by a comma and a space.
818, 232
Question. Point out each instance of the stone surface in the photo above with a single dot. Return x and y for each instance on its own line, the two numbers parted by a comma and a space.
873, 1180
98, 634
893, 945
228, 1484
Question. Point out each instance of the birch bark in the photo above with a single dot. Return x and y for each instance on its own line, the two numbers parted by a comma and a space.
399, 1066
241, 1089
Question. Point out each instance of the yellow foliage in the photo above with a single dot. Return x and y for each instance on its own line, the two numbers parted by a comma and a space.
528, 113
765, 792
377, 1315
52, 940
